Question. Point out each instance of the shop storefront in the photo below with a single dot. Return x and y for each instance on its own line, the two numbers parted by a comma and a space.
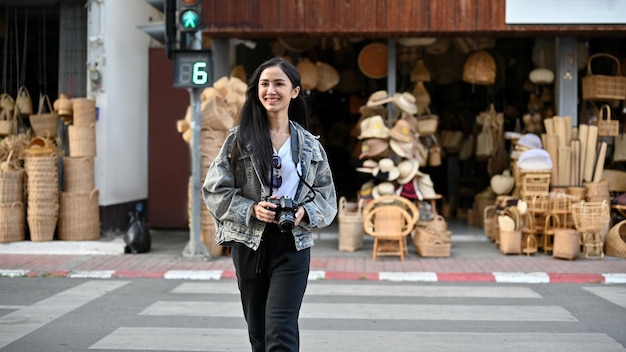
477, 76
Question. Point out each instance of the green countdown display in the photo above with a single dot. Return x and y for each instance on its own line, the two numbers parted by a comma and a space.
192, 69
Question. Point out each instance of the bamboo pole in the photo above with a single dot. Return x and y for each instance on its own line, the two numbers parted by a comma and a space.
592, 139
597, 174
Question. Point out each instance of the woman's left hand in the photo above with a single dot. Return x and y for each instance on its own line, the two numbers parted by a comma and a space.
300, 213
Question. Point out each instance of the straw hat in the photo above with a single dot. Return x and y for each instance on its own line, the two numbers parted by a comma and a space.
308, 74
379, 97
411, 120
368, 166
420, 72
405, 102
372, 147
367, 111
373, 127
416, 41
426, 186
383, 189
372, 60
401, 131
402, 149
408, 168
327, 77
386, 170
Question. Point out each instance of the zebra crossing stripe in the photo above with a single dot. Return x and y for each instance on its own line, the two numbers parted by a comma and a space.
193, 274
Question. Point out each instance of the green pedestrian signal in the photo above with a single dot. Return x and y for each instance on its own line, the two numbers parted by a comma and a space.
189, 15
190, 20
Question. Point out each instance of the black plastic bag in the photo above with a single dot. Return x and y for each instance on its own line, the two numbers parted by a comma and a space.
137, 237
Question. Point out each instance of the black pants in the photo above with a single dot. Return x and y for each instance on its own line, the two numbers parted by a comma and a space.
272, 281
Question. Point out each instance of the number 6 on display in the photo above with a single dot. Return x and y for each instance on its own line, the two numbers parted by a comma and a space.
192, 69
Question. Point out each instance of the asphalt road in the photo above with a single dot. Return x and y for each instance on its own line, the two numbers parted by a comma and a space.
54, 314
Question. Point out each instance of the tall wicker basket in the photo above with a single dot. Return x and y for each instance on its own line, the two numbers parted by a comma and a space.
79, 216
12, 218
43, 196
351, 231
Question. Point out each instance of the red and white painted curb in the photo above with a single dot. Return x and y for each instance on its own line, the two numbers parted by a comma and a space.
498, 277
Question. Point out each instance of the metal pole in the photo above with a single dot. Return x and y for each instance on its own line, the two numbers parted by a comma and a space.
196, 248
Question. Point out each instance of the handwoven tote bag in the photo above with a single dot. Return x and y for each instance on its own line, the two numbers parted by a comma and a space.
24, 102
606, 126
44, 124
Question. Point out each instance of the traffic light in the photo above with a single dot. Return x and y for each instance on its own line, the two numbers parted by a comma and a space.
164, 31
189, 15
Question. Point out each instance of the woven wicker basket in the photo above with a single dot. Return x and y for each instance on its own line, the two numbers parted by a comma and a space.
84, 112
79, 216
12, 186
616, 240
607, 126
566, 244
590, 217
82, 140
510, 242
42, 226
603, 87
351, 230
12, 218
78, 174
480, 68
44, 123
429, 243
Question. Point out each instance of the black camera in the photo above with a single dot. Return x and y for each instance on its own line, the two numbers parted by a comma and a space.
285, 212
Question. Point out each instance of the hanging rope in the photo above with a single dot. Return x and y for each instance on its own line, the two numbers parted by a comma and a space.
5, 51
17, 52
23, 67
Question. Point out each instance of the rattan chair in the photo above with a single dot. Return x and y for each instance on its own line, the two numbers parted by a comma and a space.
389, 219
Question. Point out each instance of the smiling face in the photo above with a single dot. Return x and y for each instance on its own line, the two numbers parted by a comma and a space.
276, 90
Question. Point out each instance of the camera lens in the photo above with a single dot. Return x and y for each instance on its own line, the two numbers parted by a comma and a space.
286, 221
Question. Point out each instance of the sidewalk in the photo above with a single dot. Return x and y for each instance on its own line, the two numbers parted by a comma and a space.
473, 259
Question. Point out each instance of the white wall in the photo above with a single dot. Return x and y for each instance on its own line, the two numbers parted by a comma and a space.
119, 51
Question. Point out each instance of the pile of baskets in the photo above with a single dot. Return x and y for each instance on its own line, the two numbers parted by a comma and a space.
79, 216
432, 238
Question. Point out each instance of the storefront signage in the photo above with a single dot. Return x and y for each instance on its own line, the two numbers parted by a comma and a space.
574, 12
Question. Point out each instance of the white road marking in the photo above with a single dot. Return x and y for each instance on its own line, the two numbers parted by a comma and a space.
20, 323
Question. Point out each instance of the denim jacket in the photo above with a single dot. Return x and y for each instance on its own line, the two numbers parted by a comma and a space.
230, 197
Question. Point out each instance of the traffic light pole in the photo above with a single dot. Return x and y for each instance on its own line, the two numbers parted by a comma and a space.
195, 248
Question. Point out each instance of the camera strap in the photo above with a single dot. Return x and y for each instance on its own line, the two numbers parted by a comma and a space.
295, 157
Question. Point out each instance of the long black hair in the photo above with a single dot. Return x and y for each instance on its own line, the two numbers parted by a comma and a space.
254, 129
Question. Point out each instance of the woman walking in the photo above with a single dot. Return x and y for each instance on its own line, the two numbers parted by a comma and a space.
271, 184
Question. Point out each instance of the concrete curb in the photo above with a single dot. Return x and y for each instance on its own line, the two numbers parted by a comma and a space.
497, 277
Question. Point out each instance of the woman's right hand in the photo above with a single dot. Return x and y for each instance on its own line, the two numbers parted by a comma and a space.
263, 211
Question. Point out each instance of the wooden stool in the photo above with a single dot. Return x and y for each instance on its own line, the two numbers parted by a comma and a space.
433, 202
593, 246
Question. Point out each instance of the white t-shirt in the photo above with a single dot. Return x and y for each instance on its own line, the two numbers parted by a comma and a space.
287, 171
